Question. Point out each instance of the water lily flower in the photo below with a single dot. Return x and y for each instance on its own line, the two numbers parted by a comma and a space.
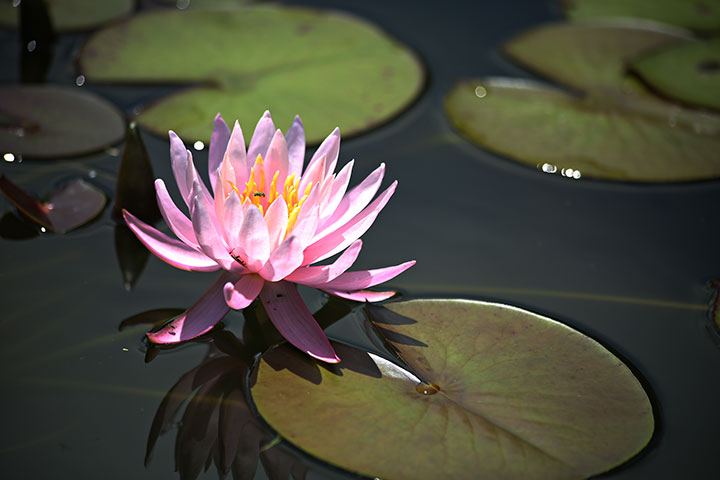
264, 225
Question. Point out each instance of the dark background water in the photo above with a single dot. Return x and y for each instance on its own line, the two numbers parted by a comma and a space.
624, 263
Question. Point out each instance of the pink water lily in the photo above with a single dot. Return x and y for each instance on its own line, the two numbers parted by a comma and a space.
265, 224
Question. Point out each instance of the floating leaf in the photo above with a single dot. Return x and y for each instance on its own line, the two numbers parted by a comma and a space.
69, 15
75, 204
689, 72
45, 122
590, 55
504, 394
615, 138
335, 69
693, 14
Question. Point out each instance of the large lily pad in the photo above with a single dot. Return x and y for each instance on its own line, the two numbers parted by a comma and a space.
45, 121
590, 55
615, 138
70, 15
504, 394
333, 69
689, 72
693, 14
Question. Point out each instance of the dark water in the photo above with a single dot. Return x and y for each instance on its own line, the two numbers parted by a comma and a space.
624, 263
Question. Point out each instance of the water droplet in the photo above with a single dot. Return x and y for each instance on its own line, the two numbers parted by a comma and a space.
113, 151
480, 91
427, 388
125, 349
182, 4
80, 80
32, 44
549, 168
92, 174
198, 145
43, 230
576, 174
9, 157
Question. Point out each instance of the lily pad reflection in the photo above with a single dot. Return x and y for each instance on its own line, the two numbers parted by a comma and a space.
491, 392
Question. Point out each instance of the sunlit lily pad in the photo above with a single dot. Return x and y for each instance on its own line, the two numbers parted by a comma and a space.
335, 69
693, 14
506, 394
45, 122
69, 15
615, 138
73, 205
689, 72
590, 55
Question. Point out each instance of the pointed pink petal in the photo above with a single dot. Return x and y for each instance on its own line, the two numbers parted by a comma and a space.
262, 135
337, 191
179, 158
233, 218
286, 258
330, 148
296, 147
276, 160
355, 200
365, 278
276, 219
207, 235
168, 249
314, 174
236, 158
294, 321
362, 295
336, 241
254, 240
323, 274
243, 292
218, 144
207, 311
175, 219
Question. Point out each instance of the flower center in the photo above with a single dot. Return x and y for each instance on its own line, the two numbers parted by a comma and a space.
256, 193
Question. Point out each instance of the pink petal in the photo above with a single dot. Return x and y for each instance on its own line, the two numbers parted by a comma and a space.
323, 274
262, 135
254, 240
355, 200
207, 235
339, 187
296, 147
232, 218
294, 321
218, 144
276, 160
305, 229
243, 292
207, 311
179, 158
236, 158
336, 241
314, 174
283, 260
276, 219
329, 148
362, 295
168, 249
176, 220
365, 278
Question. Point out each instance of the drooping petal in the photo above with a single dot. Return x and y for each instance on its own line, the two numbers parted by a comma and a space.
349, 281
336, 241
176, 220
354, 201
296, 147
276, 219
207, 235
276, 160
329, 148
291, 317
253, 239
242, 293
362, 295
204, 314
261, 138
218, 144
319, 275
179, 158
283, 260
168, 249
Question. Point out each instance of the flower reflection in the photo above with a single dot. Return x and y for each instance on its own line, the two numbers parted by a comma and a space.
264, 224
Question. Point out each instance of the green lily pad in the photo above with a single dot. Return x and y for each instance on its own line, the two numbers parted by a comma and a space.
46, 122
590, 55
333, 69
504, 394
689, 72
625, 137
693, 14
72, 15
